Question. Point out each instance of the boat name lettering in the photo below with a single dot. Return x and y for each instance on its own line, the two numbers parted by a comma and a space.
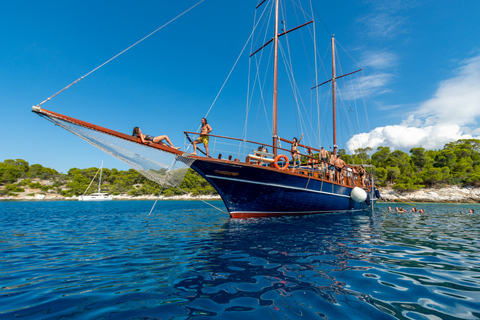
227, 173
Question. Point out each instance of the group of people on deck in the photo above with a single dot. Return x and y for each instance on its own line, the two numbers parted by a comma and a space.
331, 162
337, 168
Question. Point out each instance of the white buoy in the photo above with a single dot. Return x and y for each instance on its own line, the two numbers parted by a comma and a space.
358, 195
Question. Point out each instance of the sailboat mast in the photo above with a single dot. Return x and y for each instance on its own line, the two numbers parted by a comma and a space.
333, 98
275, 67
100, 179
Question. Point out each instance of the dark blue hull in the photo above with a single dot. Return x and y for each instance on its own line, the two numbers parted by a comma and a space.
255, 191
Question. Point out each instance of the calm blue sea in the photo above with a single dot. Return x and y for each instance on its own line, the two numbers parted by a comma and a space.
81, 260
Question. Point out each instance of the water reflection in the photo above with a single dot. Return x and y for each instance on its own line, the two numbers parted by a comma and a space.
290, 266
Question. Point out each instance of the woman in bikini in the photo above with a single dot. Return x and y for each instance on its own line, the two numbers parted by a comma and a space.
294, 152
145, 138
361, 172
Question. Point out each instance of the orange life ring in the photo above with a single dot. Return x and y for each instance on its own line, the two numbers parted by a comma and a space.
278, 158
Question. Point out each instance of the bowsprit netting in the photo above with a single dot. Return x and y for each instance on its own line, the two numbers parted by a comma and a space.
166, 169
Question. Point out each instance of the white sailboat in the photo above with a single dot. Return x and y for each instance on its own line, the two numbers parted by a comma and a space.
96, 196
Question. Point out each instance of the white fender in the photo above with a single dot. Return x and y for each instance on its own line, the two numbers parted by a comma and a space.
358, 195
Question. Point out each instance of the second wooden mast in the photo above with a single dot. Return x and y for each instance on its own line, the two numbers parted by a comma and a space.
275, 67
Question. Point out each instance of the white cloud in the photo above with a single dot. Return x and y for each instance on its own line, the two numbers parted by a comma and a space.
450, 114
379, 60
457, 99
371, 85
376, 83
386, 19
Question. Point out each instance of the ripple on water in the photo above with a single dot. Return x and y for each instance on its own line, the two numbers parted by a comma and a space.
102, 260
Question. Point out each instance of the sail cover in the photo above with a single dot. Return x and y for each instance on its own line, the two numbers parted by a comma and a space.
156, 164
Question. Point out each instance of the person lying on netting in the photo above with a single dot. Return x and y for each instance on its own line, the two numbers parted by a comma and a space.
145, 138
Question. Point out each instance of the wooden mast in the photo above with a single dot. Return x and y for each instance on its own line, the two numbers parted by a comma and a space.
333, 98
275, 67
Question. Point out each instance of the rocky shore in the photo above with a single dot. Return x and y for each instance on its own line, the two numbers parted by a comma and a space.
451, 194
448, 194
55, 196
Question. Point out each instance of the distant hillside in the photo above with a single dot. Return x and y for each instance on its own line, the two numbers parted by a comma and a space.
17, 176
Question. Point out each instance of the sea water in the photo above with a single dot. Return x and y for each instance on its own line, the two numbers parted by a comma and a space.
103, 260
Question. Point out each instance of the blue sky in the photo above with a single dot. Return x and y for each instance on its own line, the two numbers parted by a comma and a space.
421, 62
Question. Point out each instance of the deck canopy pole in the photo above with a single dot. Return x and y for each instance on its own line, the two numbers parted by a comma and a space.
275, 67
333, 98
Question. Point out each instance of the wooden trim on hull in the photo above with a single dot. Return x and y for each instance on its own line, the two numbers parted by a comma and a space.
242, 215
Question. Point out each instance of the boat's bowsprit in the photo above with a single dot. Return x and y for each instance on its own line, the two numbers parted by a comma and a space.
161, 164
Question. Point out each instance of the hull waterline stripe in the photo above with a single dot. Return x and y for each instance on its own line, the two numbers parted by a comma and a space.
276, 185
246, 214
297, 212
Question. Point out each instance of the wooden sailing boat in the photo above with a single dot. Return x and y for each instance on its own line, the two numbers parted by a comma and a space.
254, 184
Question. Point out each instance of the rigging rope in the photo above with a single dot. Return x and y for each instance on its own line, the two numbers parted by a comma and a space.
178, 188
234, 65
92, 181
261, 84
133, 45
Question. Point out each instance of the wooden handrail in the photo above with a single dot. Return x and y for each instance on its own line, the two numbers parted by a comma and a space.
230, 138
259, 143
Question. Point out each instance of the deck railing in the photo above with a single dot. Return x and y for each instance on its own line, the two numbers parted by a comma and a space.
256, 153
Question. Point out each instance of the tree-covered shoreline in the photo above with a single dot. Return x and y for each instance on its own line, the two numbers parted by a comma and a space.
17, 175
457, 164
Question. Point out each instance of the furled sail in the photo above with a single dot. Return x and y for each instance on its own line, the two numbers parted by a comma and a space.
161, 164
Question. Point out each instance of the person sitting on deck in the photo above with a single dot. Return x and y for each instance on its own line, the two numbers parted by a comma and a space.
263, 150
295, 154
145, 138
204, 131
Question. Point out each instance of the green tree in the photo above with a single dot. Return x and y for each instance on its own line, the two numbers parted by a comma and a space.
393, 173
380, 157
361, 155
408, 184
78, 184
474, 179
419, 158
445, 158
381, 175
431, 175
401, 160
